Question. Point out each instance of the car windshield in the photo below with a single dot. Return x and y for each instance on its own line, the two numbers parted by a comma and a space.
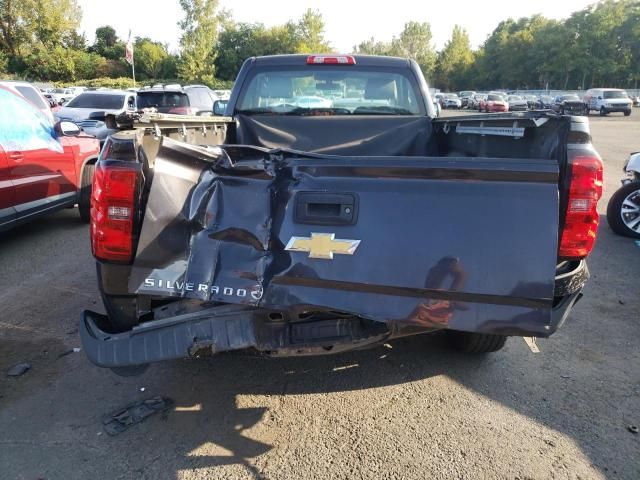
514, 98
162, 100
615, 94
97, 100
59, 90
330, 91
494, 98
451, 95
570, 97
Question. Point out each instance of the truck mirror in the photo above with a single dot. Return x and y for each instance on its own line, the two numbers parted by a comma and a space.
219, 107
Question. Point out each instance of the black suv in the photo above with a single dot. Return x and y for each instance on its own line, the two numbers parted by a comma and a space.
187, 100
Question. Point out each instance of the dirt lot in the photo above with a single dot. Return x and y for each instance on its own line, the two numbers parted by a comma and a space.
412, 411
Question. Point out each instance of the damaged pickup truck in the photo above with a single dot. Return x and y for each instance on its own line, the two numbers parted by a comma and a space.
330, 210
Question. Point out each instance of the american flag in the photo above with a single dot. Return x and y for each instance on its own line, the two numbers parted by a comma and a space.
128, 50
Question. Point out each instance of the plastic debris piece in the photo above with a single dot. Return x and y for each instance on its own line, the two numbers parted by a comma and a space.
18, 369
142, 389
121, 419
633, 429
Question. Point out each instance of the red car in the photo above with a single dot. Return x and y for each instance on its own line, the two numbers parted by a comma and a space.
44, 166
493, 103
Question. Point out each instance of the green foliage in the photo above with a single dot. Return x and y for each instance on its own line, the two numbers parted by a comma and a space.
239, 41
455, 62
150, 58
198, 40
413, 42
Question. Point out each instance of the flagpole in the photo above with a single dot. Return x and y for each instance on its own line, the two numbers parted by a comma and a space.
133, 71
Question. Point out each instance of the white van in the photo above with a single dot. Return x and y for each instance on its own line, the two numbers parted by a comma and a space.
607, 100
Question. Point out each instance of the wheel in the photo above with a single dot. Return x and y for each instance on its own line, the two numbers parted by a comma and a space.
562, 111
84, 201
627, 113
603, 111
469, 342
623, 211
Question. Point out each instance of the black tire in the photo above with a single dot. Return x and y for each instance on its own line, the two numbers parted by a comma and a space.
627, 113
84, 200
469, 342
614, 210
603, 112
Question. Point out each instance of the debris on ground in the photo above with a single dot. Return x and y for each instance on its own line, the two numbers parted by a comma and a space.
633, 429
69, 352
18, 369
123, 418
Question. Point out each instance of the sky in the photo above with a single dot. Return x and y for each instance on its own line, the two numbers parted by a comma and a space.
347, 22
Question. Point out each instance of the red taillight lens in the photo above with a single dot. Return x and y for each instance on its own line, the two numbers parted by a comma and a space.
330, 60
581, 221
112, 212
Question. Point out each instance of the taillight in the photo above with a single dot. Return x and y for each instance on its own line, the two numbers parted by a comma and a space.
581, 221
330, 60
113, 200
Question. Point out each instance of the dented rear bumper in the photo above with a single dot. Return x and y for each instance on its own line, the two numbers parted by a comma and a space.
237, 327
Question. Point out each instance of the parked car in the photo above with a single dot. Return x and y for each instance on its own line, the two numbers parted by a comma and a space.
623, 210
636, 101
31, 93
451, 100
295, 235
517, 103
221, 94
188, 100
532, 101
465, 96
494, 102
607, 100
62, 95
545, 102
439, 97
474, 101
95, 111
44, 166
568, 104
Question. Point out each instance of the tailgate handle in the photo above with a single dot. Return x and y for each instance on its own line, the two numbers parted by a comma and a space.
322, 208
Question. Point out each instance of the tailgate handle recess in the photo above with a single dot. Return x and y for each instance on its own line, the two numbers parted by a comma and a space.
323, 208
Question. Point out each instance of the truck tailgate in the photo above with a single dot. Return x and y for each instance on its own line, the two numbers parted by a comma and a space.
465, 243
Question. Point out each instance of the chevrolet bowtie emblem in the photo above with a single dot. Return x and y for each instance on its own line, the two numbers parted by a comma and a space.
322, 245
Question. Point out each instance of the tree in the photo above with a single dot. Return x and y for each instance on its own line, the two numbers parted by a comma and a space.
198, 40
150, 58
309, 33
106, 37
413, 42
455, 61
27, 23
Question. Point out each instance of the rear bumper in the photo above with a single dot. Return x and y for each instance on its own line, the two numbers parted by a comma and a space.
220, 329
237, 327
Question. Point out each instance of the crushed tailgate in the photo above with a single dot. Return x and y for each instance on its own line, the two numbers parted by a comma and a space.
465, 243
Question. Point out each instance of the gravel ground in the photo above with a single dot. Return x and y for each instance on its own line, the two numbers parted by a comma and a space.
413, 410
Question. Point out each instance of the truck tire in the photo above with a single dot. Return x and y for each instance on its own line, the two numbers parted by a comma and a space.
84, 200
619, 224
603, 112
469, 342
627, 113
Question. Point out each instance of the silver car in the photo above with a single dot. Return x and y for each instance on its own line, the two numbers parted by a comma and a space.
90, 110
